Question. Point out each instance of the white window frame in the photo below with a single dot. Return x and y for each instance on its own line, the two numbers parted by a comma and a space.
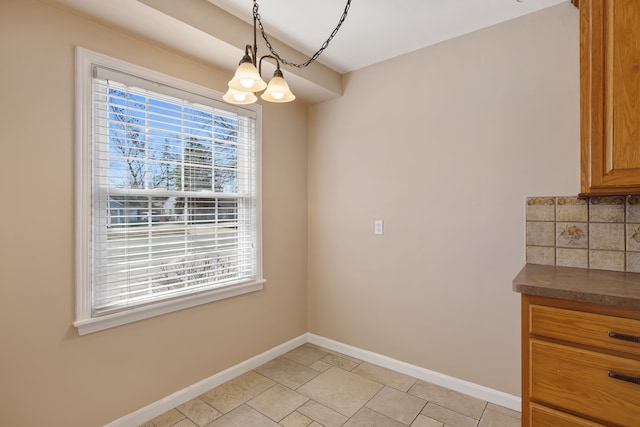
85, 321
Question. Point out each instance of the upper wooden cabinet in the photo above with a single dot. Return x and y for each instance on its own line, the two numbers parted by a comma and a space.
610, 96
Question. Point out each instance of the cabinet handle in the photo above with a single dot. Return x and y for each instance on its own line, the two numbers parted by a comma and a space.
624, 337
624, 378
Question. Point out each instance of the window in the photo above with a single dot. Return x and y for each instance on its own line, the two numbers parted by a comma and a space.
168, 207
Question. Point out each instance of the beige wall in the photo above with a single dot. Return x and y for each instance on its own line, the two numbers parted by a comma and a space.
444, 145
49, 376
493, 118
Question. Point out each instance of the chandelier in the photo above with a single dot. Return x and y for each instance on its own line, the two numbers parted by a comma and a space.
247, 80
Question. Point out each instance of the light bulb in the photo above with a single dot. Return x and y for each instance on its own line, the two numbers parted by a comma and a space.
278, 89
246, 83
234, 96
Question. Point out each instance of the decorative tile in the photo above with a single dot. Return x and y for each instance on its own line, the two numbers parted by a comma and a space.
607, 236
532, 201
572, 209
541, 255
633, 237
633, 209
572, 235
540, 233
633, 262
578, 258
607, 209
540, 209
607, 260
599, 232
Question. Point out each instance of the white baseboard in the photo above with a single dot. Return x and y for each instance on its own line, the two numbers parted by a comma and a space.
178, 398
452, 383
151, 411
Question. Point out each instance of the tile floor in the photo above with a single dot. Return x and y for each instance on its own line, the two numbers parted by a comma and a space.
312, 386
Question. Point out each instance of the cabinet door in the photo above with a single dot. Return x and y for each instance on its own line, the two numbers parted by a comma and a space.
590, 329
610, 96
598, 385
542, 416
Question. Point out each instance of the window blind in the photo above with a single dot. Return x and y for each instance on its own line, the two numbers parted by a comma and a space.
173, 193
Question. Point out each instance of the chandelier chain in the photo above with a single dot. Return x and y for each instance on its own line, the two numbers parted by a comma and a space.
315, 56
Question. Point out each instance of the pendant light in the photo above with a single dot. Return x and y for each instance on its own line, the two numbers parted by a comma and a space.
247, 79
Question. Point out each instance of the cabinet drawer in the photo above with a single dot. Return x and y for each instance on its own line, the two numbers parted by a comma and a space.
578, 380
542, 416
586, 328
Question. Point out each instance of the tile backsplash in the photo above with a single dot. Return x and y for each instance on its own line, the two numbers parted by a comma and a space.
600, 233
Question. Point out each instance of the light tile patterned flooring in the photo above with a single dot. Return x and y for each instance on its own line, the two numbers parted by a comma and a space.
312, 386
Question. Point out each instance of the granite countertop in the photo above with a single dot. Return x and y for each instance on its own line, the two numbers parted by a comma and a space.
577, 284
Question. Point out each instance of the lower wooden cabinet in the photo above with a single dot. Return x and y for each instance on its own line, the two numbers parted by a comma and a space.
541, 416
581, 364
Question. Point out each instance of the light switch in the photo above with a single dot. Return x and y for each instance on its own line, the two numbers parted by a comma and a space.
378, 226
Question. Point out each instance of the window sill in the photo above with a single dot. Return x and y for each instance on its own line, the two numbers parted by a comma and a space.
90, 325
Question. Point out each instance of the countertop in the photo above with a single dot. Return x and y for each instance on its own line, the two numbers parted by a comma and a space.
577, 284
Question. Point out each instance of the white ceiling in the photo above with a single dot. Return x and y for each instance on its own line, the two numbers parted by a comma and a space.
376, 30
